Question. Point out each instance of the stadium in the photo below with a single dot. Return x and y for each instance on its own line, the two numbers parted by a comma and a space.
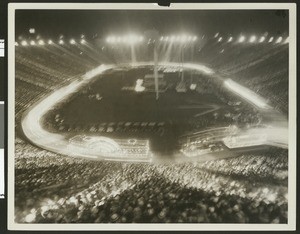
155, 124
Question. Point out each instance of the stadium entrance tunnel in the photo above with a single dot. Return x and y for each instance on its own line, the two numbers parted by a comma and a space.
126, 113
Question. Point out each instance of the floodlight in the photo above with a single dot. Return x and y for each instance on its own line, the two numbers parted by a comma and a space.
194, 38
41, 42
271, 39
242, 39
61, 42
24, 43
230, 39
161, 38
141, 38
262, 39
31, 30
279, 40
220, 39
252, 39
32, 42
216, 35
50, 42
82, 41
72, 41
16, 44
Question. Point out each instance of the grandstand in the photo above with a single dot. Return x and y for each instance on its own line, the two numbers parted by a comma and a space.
113, 152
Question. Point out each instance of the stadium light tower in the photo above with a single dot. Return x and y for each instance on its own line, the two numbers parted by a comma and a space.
154, 35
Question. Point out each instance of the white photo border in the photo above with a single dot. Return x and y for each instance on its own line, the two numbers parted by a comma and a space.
291, 7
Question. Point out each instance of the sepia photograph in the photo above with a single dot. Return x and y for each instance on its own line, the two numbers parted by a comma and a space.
148, 117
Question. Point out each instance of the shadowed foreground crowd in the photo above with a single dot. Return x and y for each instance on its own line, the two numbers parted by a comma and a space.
57, 189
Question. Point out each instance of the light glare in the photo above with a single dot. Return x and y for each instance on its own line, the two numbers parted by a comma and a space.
279, 40
242, 39
262, 39
271, 39
24, 43
252, 39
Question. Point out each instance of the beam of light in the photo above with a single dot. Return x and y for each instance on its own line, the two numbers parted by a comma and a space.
230, 39
61, 42
50, 42
242, 39
220, 39
32, 42
252, 39
271, 39
72, 42
279, 40
262, 39
246, 94
24, 43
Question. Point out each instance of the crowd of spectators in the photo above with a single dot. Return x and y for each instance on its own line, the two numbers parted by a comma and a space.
52, 188
227, 190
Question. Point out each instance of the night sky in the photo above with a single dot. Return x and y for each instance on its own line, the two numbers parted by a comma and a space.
52, 23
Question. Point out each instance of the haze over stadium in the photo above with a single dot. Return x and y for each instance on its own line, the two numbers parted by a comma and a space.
151, 116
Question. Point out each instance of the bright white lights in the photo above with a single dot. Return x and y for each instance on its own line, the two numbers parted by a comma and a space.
24, 43
179, 38
220, 39
216, 35
271, 39
16, 44
279, 40
72, 42
127, 39
242, 39
252, 39
230, 39
262, 39
31, 30
41, 42
61, 42
82, 41
32, 42
50, 42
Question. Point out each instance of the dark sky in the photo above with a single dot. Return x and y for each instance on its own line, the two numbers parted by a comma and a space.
52, 23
